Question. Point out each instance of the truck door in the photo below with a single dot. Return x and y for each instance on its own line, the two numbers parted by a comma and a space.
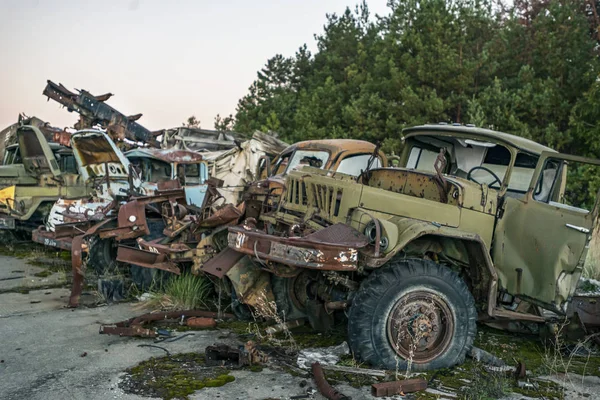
540, 243
36, 154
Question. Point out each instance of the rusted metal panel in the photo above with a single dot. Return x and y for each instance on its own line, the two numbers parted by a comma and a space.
398, 387
220, 264
132, 220
77, 266
50, 239
147, 259
222, 216
252, 285
588, 310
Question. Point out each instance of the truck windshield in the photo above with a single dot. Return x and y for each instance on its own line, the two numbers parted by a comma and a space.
312, 158
480, 162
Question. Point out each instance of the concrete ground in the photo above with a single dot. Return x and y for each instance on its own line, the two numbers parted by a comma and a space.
50, 352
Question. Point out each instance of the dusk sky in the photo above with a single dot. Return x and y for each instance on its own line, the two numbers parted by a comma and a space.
167, 60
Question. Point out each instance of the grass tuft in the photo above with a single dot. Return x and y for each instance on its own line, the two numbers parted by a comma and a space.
183, 292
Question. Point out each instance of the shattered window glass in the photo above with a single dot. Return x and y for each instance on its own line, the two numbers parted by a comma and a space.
312, 158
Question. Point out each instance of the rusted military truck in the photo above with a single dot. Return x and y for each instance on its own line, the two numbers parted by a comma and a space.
474, 225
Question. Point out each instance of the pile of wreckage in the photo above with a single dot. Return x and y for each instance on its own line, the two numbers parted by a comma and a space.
412, 255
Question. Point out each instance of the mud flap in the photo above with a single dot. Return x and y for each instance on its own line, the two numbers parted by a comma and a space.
252, 285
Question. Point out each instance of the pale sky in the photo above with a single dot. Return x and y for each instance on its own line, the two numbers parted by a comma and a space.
165, 59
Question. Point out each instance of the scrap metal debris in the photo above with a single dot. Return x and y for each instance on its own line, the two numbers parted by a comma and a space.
135, 326
94, 111
398, 387
324, 387
220, 355
357, 371
225, 355
485, 357
201, 322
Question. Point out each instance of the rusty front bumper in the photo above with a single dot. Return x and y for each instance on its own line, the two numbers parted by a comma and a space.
334, 248
48, 238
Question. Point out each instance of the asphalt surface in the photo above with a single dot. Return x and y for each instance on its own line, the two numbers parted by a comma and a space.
51, 352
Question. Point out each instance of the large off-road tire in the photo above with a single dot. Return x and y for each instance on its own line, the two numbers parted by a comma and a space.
412, 306
241, 311
287, 292
102, 255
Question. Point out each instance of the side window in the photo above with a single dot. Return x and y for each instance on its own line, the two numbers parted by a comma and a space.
354, 165
192, 173
281, 164
568, 184
159, 171
421, 159
9, 156
547, 181
67, 164
521, 174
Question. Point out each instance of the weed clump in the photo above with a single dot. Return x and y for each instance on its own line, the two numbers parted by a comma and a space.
183, 292
486, 385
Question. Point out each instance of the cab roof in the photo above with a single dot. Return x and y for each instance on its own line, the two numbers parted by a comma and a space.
333, 146
52, 145
476, 133
166, 155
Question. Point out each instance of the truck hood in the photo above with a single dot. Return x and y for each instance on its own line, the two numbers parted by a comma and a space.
97, 157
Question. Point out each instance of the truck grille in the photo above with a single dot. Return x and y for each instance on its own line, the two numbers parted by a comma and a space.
301, 194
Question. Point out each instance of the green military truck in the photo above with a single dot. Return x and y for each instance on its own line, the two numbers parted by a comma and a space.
33, 175
475, 225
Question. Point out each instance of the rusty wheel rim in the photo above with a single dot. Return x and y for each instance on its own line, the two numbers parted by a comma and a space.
297, 290
420, 326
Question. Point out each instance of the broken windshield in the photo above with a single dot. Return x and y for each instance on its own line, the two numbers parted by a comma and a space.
476, 161
312, 158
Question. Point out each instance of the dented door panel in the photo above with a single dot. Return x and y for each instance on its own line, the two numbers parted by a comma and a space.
540, 248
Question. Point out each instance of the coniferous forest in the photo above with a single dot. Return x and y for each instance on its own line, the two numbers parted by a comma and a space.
530, 68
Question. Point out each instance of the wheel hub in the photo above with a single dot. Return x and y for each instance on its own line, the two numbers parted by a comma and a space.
420, 326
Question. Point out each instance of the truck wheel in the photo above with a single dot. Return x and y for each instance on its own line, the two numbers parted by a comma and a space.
413, 311
290, 296
240, 310
149, 278
102, 255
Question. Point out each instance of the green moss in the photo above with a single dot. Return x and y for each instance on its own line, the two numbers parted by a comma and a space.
305, 337
174, 377
43, 274
255, 368
354, 380
240, 327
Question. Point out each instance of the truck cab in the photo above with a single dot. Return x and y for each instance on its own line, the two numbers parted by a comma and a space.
346, 156
34, 174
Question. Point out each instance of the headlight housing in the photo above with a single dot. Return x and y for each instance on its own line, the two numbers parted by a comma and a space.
371, 234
